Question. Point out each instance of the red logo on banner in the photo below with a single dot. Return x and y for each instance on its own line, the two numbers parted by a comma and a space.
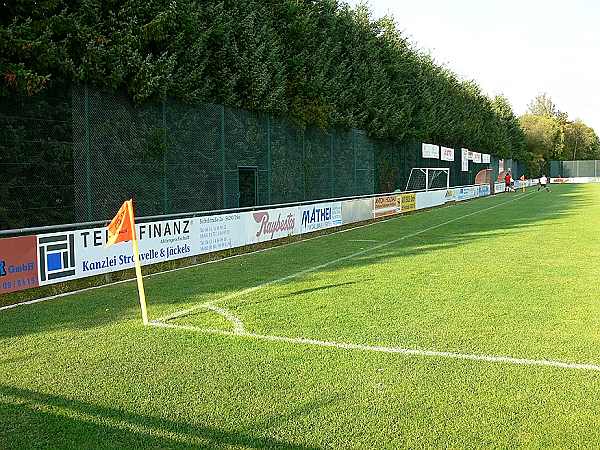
18, 264
270, 228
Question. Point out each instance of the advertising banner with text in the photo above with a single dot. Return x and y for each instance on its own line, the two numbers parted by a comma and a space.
385, 206
270, 224
319, 216
464, 160
82, 253
447, 154
18, 264
575, 180
407, 202
430, 151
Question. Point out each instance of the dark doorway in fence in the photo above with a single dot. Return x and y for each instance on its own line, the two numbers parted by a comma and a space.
248, 177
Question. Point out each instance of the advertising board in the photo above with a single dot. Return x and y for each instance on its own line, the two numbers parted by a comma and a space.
407, 202
77, 254
430, 151
430, 199
18, 264
319, 216
575, 180
357, 210
385, 206
447, 154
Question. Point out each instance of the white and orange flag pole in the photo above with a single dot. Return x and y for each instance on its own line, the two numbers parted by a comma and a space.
122, 229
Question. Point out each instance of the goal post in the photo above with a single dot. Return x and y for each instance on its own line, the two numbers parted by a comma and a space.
428, 178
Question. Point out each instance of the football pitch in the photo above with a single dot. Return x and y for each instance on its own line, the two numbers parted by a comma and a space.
474, 325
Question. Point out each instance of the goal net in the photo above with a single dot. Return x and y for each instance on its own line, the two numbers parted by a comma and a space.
426, 179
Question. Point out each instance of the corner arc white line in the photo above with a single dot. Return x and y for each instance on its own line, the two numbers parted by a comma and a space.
497, 359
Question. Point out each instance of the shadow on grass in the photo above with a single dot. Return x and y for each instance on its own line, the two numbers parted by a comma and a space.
30, 419
168, 292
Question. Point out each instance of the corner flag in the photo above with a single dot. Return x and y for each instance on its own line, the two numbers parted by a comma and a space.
122, 229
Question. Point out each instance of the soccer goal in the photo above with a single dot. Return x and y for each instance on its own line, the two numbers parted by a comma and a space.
427, 179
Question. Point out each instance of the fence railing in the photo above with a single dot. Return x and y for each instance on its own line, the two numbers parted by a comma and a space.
571, 169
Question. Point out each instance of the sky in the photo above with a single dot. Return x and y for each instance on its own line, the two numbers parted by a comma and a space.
516, 48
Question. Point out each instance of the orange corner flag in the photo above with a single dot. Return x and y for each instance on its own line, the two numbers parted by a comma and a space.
120, 229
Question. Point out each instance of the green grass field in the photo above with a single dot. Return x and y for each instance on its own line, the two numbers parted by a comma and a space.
475, 325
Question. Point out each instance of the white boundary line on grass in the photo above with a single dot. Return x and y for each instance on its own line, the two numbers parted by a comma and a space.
393, 350
329, 263
114, 283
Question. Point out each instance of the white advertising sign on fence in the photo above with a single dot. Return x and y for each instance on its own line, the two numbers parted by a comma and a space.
466, 193
82, 253
447, 154
319, 216
270, 224
431, 199
477, 157
575, 180
464, 160
484, 190
486, 158
499, 187
430, 151
357, 210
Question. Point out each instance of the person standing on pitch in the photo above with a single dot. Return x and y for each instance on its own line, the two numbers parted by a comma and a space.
543, 183
507, 178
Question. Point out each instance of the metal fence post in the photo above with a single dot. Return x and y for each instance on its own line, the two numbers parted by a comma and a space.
354, 162
165, 150
223, 152
269, 168
331, 171
303, 165
88, 163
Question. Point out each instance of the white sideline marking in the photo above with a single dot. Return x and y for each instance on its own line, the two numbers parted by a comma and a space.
114, 283
329, 263
394, 350
363, 240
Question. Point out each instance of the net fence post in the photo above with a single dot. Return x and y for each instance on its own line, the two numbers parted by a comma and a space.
304, 164
223, 154
88, 169
426, 180
331, 171
354, 161
269, 168
165, 149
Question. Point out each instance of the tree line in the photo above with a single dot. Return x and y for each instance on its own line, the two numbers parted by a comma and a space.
551, 135
318, 62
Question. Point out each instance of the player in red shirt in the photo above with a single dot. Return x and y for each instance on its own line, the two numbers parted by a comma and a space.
507, 178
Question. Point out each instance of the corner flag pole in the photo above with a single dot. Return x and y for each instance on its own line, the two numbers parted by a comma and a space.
138, 267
